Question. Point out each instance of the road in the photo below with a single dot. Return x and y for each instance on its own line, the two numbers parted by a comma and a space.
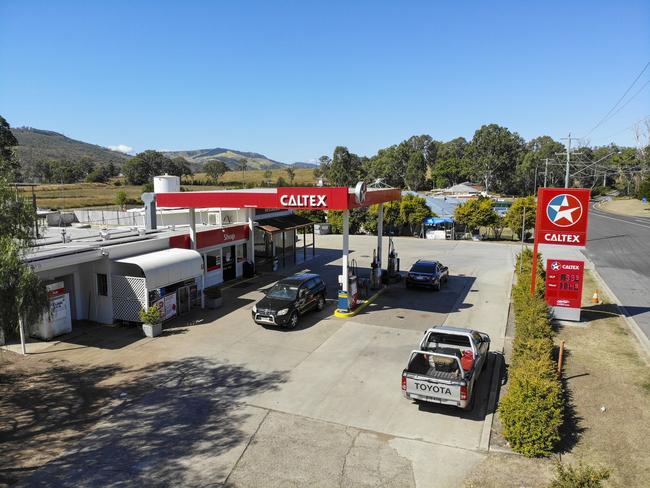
619, 247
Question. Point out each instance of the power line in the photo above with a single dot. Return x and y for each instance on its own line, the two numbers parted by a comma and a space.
630, 99
630, 127
619, 100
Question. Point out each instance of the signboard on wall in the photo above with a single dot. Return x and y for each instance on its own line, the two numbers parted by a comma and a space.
211, 238
562, 215
167, 306
55, 289
564, 280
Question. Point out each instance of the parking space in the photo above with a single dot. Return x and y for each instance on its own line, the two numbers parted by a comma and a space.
336, 383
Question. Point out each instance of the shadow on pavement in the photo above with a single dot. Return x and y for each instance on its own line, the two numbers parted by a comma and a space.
162, 427
481, 406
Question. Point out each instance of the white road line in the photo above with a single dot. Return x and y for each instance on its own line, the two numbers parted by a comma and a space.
619, 220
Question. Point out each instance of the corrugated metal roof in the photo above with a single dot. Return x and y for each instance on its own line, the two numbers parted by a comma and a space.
287, 222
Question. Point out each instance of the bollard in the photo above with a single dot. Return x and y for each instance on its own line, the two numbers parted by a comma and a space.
560, 359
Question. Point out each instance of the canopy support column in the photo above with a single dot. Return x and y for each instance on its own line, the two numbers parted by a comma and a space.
380, 232
251, 236
192, 228
346, 250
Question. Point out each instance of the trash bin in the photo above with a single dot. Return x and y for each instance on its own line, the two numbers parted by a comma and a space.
248, 269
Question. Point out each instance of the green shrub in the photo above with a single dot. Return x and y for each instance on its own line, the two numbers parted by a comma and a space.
150, 315
532, 321
532, 410
582, 476
532, 349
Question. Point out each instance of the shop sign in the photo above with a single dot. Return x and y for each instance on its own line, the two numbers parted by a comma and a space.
309, 201
55, 289
562, 215
564, 283
211, 238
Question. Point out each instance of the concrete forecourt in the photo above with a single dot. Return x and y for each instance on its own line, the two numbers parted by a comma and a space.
319, 405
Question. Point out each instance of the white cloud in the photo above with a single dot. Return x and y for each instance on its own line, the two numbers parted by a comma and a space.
121, 148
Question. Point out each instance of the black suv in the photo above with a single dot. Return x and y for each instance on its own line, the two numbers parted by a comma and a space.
427, 273
289, 298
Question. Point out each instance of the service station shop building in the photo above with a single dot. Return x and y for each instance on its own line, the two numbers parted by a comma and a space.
112, 276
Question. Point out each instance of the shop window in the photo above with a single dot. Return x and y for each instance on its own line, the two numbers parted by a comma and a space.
213, 261
102, 285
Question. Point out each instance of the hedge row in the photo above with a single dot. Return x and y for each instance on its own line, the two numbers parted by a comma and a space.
532, 410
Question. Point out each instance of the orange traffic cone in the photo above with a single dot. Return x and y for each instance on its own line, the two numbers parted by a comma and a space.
595, 298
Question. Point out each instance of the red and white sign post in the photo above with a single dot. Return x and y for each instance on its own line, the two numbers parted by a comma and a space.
561, 220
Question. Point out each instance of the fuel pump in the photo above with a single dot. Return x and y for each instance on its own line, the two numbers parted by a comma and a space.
348, 301
375, 272
392, 269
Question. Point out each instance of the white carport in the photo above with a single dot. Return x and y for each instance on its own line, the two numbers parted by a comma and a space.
136, 276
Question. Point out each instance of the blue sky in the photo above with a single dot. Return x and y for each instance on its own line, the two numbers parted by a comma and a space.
294, 79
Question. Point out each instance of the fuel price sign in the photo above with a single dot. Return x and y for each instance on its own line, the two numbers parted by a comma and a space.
564, 283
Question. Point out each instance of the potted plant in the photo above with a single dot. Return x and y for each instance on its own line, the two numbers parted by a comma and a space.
151, 322
213, 298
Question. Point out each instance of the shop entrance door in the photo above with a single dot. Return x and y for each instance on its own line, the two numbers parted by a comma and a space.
183, 300
229, 268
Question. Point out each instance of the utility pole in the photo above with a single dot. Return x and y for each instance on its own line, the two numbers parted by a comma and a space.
545, 170
568, 158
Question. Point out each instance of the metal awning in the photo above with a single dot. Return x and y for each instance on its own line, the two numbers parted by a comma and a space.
286, 222
163, 268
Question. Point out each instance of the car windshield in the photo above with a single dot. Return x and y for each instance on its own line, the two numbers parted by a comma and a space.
423, 268
283, 291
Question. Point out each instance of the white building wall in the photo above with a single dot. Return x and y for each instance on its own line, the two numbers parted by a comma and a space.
101, 307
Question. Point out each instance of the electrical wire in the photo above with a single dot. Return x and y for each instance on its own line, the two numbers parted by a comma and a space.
630, 99
603, 120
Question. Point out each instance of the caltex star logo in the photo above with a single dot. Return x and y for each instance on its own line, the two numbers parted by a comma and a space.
555, 265
564, 210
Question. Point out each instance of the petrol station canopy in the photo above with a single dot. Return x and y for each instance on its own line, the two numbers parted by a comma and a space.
295, 198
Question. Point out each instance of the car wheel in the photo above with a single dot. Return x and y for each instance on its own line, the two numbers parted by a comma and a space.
320, 304
436, 287
293, 320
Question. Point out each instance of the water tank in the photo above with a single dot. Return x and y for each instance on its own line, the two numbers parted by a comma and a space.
166, 183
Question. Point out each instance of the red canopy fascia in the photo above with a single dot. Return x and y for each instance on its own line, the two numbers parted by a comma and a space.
295, 198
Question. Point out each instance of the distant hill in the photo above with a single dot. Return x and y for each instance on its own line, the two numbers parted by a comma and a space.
230, 157
45, 145
305, 165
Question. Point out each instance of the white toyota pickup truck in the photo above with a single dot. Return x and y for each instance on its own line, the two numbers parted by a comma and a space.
446, 367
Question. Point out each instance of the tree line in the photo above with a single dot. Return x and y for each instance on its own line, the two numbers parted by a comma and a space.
496, 157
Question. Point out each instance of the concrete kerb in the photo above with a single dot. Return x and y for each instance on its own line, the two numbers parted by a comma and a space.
359, 309
486, 433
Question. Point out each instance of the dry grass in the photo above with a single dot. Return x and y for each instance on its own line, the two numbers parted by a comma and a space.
76, 195
627, 206
304, 176
604, 368
499, 470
